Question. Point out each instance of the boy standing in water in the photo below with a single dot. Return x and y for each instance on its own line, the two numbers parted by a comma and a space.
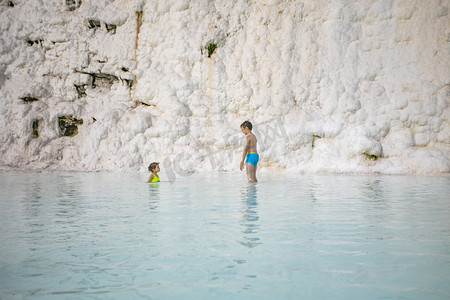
154, 168
250, 152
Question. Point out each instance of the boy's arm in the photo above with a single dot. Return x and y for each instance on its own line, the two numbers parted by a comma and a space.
150, 178
244, 154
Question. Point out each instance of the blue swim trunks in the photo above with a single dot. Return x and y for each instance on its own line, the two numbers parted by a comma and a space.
252, 158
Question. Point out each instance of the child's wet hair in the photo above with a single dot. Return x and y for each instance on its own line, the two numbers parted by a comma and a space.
247, 124
152, 166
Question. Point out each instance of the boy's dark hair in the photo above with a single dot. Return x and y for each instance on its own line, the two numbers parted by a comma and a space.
153, 166
247, 124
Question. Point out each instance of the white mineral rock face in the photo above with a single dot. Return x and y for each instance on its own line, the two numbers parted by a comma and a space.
330, 86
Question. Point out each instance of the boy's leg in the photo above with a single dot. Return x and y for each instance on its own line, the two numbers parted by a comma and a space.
251, 173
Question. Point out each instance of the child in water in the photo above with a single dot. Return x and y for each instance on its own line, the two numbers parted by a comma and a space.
250, 155
154, 168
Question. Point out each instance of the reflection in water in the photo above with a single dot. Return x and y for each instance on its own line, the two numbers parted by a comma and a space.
34, 208
69, 197
50, 203
373, 189
154, 196
54, 201
32, 201
373, 192
250, 215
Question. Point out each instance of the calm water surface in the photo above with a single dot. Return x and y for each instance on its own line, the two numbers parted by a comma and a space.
112, 236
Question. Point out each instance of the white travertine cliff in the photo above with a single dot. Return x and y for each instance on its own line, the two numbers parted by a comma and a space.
330, 86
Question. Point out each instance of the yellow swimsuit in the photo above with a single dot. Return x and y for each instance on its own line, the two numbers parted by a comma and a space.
155, 178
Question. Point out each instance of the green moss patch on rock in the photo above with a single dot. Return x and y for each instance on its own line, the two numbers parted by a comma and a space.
35, 127
68, 125
371, 157
211, 47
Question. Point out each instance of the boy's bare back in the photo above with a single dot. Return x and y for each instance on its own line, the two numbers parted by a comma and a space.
251, 143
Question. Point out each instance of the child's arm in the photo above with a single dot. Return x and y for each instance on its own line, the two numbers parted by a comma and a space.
150, 178
244, 154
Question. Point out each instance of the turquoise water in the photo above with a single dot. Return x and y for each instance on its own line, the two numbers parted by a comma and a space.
112, 236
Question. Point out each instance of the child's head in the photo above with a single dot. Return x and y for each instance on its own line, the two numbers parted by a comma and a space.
153, 166
247, 124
